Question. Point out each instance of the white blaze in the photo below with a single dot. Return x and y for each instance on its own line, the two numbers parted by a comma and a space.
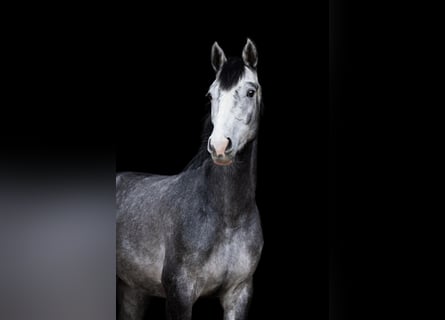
222, 122
225, 116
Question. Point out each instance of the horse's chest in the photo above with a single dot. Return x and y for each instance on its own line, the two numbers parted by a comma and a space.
230, 262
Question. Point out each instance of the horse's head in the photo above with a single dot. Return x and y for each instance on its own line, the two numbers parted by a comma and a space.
235, 98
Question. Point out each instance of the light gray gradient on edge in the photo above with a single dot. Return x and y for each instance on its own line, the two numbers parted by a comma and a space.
57, 245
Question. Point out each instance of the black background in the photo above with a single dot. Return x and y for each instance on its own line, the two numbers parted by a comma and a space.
135, 84
163, 78
83, 84
382, 235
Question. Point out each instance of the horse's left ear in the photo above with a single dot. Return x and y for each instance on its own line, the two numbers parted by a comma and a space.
250, 55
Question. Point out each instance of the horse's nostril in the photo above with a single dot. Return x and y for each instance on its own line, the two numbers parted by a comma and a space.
229, 145
210, 147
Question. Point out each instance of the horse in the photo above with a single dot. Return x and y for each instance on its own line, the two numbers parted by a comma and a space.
197, 233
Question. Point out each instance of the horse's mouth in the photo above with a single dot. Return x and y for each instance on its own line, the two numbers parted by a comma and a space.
222, 161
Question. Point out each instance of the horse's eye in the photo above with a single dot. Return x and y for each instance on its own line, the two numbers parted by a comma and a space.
209, 96
250, 93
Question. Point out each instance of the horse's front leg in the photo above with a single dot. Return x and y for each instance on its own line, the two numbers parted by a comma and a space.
180, 296
132, 302
236, 301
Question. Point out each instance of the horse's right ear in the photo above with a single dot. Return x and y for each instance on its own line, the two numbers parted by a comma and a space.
218, 57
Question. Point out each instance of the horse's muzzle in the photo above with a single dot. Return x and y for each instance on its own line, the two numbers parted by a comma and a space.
221, 151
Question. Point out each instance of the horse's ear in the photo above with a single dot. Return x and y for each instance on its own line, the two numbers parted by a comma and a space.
218, 57
250, 55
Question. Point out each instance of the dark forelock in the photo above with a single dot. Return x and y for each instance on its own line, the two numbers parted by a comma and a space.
231, 73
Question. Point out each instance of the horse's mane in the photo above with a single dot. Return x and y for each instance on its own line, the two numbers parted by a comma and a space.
202, 154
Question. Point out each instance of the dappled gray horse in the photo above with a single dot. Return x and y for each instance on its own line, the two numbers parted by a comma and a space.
197, 233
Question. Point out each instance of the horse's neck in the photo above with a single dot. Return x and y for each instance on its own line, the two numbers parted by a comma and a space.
232, 188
